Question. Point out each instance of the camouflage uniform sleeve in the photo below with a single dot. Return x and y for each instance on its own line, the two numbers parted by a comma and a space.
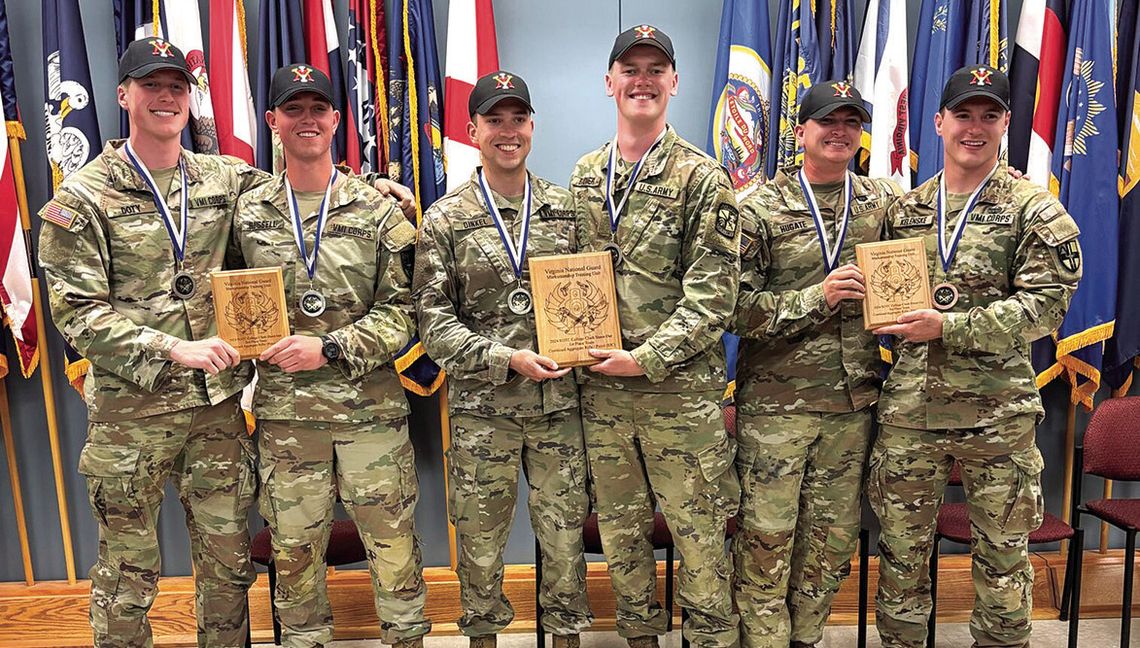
75, 254
711, 258
373, 340
765, 314
1045, 273
461, 352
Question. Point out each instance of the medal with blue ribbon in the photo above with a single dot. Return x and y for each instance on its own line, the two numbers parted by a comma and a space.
830, 252
183, 286
312, 303
945, 295
613, 210
519, 300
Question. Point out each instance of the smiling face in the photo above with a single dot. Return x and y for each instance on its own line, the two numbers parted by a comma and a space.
503, 136
972, 132
158, 105
641, 82
306, 123
831, 140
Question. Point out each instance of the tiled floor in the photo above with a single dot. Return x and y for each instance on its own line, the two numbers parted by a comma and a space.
1098, 633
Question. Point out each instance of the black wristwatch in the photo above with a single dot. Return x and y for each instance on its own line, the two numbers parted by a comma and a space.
330, 349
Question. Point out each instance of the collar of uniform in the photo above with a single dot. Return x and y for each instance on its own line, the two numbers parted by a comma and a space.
657, 159
994, 192
791, 194
538, 196
124, 176
340, 196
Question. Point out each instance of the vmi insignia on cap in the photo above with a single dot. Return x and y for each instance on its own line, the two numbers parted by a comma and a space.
494, 87
982, 76
161, 48
503, 81
303, 74
297, 78
146, 56
642, 35
975, 81
645, 31
826, 97
842, 89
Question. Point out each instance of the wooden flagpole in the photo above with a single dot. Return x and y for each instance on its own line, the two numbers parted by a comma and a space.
14, 478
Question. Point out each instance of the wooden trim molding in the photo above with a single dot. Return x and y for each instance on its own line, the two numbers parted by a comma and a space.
54, 614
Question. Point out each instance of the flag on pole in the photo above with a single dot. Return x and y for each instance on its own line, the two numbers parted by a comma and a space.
1123, 348
986, 36
741, 95
881, 77
365, 19
1036, 71
421, 146
795, 70
835, 30
472, 51
233, 103
1084, 179
16, 300
182, 25
938, 52
71, 128
322, 47
282, 42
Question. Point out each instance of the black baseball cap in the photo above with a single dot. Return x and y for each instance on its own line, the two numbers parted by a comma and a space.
826, 97
975, 81
297, 78
492, 88
642, 35
148, 55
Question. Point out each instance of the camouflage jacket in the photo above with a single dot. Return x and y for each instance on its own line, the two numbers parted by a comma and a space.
109, 264
369, 307
1017, 266
676, 287
796, 354
462, 280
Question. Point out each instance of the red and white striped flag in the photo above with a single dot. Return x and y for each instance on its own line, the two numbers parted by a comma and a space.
233, 101
881, 77
471, 52
15, 275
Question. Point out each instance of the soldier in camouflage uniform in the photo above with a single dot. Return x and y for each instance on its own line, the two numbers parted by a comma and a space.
808, 376
962, 388
162, 393
508, 403
331, 412
651, 410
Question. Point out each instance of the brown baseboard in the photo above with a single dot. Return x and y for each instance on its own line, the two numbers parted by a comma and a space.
54, 614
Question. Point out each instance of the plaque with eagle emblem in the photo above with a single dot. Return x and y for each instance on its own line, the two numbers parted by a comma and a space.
896, 279
249, 306
575, 306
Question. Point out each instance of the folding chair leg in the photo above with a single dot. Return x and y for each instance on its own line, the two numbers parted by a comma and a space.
1067, 587
273, 604
539, 634
1129, 568
931, 623
1075, 565
864, 558
669, 588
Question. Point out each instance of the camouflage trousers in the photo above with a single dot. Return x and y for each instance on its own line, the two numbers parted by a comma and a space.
801, 477
670, 450
304, 465
209, 456
484, 460
1001, 474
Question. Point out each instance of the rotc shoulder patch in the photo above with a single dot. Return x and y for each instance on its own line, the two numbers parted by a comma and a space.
727, 220
1069, 255
58, 214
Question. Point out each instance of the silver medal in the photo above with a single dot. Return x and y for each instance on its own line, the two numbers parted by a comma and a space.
615, 253
520, 301
944, 296
312, 303
183, 285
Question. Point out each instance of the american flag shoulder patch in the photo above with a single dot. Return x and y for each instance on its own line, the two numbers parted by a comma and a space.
58, 214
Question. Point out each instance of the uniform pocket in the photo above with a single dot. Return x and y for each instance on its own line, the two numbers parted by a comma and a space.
715, 462
874, 485
112, 485
265, 502
1026, 508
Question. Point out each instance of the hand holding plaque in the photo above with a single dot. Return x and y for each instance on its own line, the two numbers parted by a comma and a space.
896, 279
249, 306
575, 306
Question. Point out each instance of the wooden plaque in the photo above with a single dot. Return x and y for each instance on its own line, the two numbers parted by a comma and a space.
575, 306
249, 306
896, 279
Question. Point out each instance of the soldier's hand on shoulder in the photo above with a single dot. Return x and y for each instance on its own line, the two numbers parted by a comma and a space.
295, 353
211, 355
401, 194
536, 367
616, 362
916, 326
844, 282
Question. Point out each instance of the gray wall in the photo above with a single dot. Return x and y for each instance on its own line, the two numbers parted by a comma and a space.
560, 48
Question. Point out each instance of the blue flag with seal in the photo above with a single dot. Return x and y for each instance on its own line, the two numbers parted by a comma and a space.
281, 24
71, 127
795, 69
1084, 178
939, 50
1123, 350
741, 98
